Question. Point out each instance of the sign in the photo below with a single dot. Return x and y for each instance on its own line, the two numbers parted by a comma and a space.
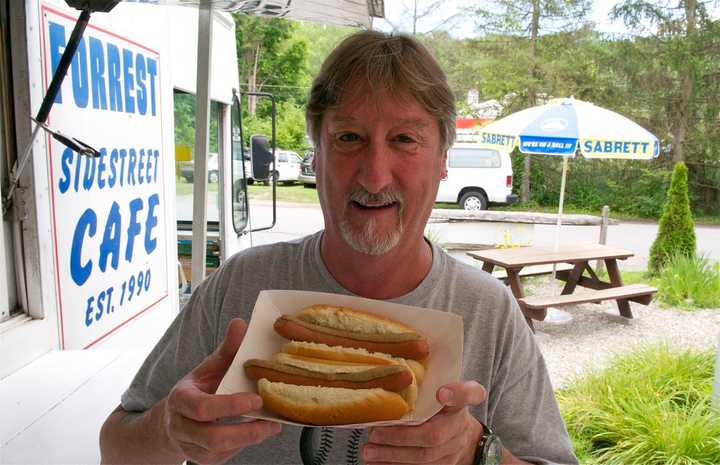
108, 213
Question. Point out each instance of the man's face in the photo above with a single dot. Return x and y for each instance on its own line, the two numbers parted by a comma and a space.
378, 165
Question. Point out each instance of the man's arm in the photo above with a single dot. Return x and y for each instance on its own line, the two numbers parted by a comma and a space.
184, 424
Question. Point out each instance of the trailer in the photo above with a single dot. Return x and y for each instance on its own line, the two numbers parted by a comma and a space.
101, 237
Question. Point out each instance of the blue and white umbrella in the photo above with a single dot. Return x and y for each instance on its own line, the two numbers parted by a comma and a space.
567, 126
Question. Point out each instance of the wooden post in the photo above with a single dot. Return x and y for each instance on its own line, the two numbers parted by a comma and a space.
599, 264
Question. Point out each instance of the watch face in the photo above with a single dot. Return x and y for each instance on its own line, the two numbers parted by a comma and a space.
493, 455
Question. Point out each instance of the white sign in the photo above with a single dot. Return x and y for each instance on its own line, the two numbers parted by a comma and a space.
107, 212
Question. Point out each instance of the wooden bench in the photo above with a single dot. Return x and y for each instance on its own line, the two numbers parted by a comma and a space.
640, 293
534, 270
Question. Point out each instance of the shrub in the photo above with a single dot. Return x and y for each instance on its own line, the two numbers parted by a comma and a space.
690, 282
676, 234
650, 407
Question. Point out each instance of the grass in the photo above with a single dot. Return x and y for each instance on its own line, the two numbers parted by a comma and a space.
293, 193
689, 283
650, 407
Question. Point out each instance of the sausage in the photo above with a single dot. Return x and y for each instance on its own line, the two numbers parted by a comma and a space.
394, 382
415, 349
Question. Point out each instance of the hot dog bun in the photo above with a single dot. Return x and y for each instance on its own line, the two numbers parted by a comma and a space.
331, 406
342, 326
288, 368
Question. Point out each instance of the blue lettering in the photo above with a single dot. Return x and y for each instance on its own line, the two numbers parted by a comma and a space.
77, 172
89, 172
148, 165
101, 168
152, 71
87, 223
618, 147
80, 84
644, 147
598, 147
140, 76
128, 81
100, 300
111, 239
156, 153
608, 147
113, 59
88, 311
133, 227
57, 45
123, 154
150, 223
97, 74
626, 147
65, 160
131, 167
113, 171
141, 165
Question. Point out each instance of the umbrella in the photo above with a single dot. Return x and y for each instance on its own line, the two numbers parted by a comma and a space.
564, 127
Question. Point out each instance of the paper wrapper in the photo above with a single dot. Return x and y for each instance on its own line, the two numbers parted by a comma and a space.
443, 330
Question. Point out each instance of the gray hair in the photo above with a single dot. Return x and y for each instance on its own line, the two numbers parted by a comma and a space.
388, 63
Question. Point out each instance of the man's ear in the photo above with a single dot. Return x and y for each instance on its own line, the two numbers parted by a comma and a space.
443, 167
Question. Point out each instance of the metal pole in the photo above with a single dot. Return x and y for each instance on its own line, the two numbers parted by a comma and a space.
202, 133
600, 264
562, 203
560, 212
47, 103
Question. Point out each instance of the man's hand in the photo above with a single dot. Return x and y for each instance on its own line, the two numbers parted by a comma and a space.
192, 409
450, 437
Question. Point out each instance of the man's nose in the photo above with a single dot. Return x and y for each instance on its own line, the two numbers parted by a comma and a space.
376, 169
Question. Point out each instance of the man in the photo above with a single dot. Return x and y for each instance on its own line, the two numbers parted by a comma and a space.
382, 118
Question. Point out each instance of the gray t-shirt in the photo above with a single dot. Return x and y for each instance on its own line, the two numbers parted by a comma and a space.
499, 349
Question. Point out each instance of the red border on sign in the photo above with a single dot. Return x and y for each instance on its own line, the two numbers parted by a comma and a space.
43, 10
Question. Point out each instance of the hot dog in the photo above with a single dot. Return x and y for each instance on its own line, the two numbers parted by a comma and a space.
331, 406
342, 326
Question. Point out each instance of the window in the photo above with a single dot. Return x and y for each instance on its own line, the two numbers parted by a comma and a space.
474, 158
185, 157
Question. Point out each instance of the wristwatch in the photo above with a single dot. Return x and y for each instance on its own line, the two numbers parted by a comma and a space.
489, 448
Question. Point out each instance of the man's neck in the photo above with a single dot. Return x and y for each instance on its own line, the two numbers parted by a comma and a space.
386, 276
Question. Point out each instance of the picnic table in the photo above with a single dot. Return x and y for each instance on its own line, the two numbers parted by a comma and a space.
572, 263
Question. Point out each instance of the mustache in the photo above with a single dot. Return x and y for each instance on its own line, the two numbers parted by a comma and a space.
363, 197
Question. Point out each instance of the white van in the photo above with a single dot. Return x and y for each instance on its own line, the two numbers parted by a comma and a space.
476, 176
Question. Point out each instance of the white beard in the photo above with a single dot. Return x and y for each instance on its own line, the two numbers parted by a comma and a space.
368, 240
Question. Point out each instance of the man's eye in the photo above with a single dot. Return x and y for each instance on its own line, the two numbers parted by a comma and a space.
349, 137
405, 139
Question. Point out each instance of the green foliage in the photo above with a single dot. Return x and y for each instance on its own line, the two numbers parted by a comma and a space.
690, 282
184, 112
676, 234
289, 127
650, 407
271, 57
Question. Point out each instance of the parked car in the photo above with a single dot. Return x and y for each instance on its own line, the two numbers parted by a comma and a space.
477, 176
187, 169
287, 166
307, 174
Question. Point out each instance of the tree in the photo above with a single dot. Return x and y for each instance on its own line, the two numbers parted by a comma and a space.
270, 57
530, 17
424, 16
676, 234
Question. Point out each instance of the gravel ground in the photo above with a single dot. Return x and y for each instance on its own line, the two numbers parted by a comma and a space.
596, 332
